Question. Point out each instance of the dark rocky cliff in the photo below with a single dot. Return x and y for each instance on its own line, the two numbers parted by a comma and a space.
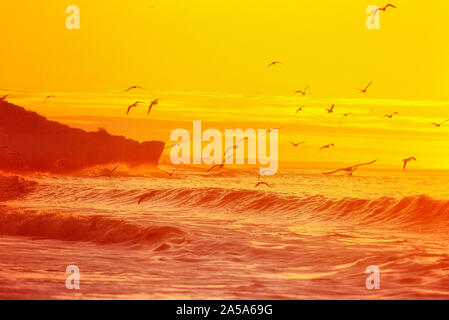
30, 142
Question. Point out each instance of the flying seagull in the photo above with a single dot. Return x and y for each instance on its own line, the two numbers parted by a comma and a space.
153, 104
299, 109
384, 8
169, 173
219, 166
271, 64
439, 124
48, 97
327, 146
344, 116
262, 183
135, 104
270, 130
297, 143
234, 147
177, 144
133, 87
241, 140
407, 160
390, 115
366, 88
331, 109
351, 169
303, 92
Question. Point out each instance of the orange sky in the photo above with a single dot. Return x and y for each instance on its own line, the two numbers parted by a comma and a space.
207, 61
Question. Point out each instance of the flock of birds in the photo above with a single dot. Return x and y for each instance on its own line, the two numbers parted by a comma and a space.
331, 109
349, 170
153, 103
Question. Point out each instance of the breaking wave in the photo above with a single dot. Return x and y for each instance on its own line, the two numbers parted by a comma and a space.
414, 210
97, 229
13, 187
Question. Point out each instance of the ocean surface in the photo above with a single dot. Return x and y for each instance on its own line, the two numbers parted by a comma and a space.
215, 236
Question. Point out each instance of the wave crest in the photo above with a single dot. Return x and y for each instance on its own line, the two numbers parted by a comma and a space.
12, 187
414, 210
97, 229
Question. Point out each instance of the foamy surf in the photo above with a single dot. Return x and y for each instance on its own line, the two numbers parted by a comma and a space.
13, 187
96, 229
196, 237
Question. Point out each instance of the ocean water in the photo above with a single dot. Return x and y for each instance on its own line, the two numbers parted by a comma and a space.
216, 236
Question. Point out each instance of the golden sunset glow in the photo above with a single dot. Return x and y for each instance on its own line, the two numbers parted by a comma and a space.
250, 150
207, 61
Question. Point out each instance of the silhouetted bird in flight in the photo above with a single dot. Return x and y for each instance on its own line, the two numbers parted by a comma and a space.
407, 160
169, 173
299, 109
366, 88
331, 109
344, 116
297, 143
439, 124
235, 146
177, 144
384, 8
4, 97
351, 169
262, 183
48, 97
303, 92
390, 115
271, 64
270, 130
219, 166
133, 87
327, 146
153, 104
135, 104
241, 140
